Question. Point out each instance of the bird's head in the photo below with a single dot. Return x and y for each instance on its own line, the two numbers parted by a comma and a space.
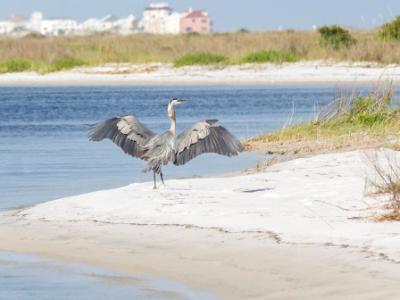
175, 101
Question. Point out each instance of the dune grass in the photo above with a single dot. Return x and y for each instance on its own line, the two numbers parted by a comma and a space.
384, 183
15, 65
49, 54
200, 59
66, 63
21, 65
270, 56
350, 121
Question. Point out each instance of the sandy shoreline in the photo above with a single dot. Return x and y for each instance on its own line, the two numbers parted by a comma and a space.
312, 72
230, 266
296, 231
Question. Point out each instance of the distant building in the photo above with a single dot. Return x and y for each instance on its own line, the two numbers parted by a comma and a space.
6, 27
51, 27
17, 19
35, 21
109, 23
58, 27
96, 25
125, 26
158, 18
195, 21
15, 25
173, 23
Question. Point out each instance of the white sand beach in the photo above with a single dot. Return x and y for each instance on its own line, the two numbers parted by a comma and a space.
301, 229
310, 72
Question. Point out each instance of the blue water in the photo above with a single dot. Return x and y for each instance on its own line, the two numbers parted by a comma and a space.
44, 155
31, 277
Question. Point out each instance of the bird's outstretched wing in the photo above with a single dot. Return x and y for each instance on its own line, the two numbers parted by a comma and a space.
126, 132
205, 137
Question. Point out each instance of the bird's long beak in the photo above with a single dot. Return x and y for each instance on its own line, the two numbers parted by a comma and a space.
181, 101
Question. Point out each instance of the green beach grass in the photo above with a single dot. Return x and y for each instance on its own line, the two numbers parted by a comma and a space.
271, 56
200, 59
348, 122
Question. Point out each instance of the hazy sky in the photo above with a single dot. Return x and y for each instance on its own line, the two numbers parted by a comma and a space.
227, 14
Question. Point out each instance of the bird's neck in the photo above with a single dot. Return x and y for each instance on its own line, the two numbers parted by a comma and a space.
172, 118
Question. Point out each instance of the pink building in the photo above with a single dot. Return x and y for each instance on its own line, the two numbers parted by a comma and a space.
195, 21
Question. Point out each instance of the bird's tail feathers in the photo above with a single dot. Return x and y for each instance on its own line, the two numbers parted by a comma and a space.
154, 167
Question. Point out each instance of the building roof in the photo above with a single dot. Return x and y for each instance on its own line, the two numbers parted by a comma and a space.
196, 14
17, 19
158, 6
109, 18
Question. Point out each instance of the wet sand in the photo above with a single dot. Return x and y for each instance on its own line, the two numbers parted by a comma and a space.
229, 265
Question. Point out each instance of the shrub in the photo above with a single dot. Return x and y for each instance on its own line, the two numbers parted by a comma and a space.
365, 110
391, 30
335, 36
199, 59
369, 110
270, 56
192, 33
243, 30
34, 35
15, 65
65, 63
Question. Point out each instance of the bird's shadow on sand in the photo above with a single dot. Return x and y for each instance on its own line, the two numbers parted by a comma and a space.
256, 190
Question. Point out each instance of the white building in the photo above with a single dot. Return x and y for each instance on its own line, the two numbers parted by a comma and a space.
125, 26
6, 27
35, 21
109, 23
15, 26
158, 18
50, 27
58, 27
97, 25
173, 23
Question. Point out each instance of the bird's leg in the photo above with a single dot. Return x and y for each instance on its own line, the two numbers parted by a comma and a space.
162, 177
154, 177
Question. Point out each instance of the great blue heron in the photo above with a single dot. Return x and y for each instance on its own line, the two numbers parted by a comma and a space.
160, 149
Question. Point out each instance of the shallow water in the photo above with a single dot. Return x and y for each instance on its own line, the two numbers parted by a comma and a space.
32, 277
45, 154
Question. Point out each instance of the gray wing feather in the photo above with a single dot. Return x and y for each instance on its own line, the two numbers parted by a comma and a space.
126, 132
205, 137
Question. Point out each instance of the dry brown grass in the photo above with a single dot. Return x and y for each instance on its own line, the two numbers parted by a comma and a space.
142, 48
384, 184
391, 216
